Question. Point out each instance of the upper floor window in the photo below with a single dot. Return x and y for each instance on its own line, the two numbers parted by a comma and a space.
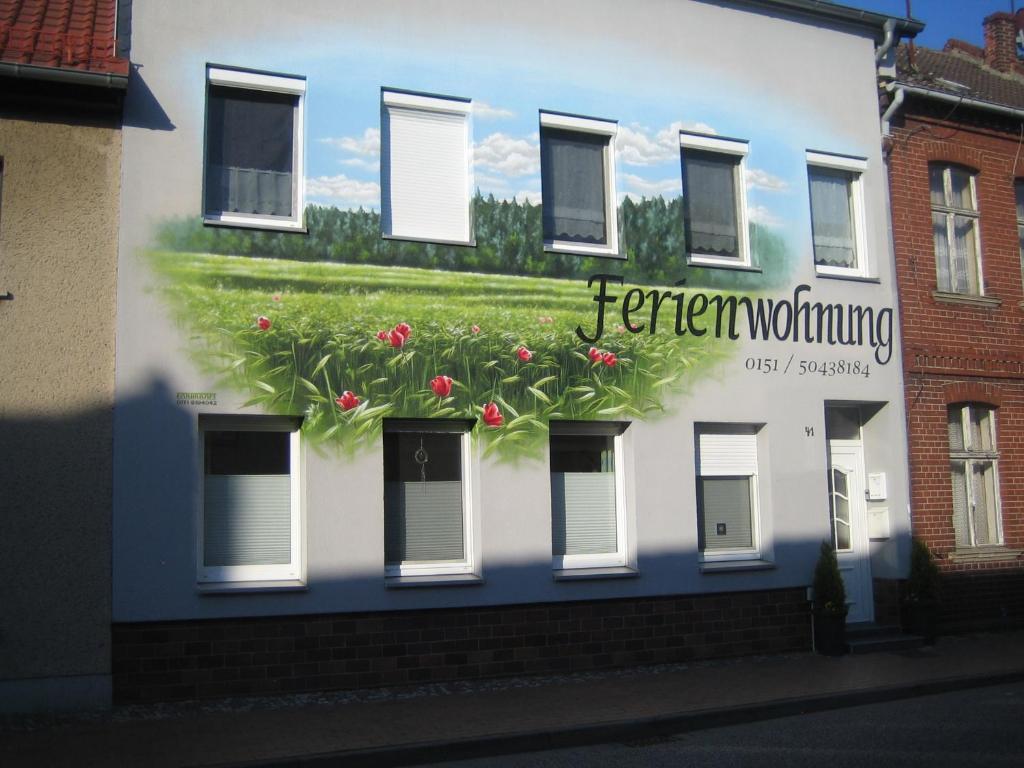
714, 199
954, 202
577, 172
973, 463
1018, 188
253, 163
837, 214
426, 167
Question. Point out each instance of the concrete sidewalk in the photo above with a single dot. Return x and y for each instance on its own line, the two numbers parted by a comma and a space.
442, 722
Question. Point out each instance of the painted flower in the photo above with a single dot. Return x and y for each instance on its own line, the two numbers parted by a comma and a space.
405, 329
475, 329
524, 354
276, 297
595, 355
620, 329
610, 359
396, 338
263, 323
442, 385
492, 416
382, 335
347, 401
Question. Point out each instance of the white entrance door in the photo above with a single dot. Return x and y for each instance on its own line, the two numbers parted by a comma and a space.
850, 526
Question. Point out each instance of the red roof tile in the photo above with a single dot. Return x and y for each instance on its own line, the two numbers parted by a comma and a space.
67, 34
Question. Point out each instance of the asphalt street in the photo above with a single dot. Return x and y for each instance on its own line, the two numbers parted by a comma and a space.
975, 727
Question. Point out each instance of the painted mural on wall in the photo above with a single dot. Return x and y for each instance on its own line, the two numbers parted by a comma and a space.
346, 328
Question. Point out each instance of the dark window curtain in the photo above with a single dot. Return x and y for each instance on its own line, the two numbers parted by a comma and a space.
572, 179
249, 151
709, 196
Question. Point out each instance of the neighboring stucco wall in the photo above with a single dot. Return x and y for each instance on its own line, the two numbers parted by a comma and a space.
58, 235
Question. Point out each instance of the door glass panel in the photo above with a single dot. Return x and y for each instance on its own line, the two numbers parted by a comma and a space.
841, 510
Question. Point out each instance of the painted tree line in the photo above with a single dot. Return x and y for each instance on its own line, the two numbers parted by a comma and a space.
508, 241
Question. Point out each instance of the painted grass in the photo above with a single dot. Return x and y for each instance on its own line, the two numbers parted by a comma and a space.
322, 342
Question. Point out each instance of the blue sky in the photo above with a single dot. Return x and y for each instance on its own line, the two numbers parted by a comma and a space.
943, 18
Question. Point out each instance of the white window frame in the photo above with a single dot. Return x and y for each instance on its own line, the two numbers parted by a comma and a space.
746, 553
736, 148
598, 127
620, 557
950, 213
289, 573
250, 80
972, 455
855, 167
407, 101
468, 565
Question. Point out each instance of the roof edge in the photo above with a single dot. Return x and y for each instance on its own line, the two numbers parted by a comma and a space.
821, 9
967, 101
64, 75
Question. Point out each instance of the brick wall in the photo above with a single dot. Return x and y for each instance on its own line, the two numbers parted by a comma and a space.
236, 657
959, 352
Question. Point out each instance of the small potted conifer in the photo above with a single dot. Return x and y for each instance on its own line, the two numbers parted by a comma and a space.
829, 604
921, 593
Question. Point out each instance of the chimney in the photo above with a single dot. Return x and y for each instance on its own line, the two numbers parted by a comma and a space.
1001, 41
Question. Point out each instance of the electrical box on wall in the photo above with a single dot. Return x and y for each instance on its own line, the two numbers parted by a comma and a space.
878, 523
876, 486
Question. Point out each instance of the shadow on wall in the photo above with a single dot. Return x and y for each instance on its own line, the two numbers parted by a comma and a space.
142, 110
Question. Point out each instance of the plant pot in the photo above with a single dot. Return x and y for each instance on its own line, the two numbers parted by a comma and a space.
922, 618
830, 633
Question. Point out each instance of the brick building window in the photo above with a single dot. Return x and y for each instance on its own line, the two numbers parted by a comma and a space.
973, 464
954, 202
1018, 188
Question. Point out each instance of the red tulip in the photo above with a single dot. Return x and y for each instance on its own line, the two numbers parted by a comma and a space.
492, 416
524, 354
610, 359
442, 385
405, 329
475, 329
263, 323
382, 335
347, 401
396, 338
595, 355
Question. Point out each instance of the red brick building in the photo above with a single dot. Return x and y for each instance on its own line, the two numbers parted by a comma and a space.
955, 142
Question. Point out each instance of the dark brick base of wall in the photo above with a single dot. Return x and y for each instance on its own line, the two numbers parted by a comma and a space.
162, 661
980, 600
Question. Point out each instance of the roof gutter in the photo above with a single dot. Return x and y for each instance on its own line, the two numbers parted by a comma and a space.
58, 75
821, 9
931, 93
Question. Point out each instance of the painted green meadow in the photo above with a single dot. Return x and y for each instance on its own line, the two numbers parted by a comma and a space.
297, 336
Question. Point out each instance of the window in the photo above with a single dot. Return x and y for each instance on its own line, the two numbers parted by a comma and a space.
714, 200
426, 169
1018, 188
250, 528
254, 130
588, 528
837, 214
973, 463
427, 497
727, 492
578, 184
955, 229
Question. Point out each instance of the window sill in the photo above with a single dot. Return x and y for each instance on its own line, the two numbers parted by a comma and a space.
575, 249
968, 299
585, 574
985, 554
730, 566
471, 243
271, 225
850, 278
250, 587
450, 580
702, 261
